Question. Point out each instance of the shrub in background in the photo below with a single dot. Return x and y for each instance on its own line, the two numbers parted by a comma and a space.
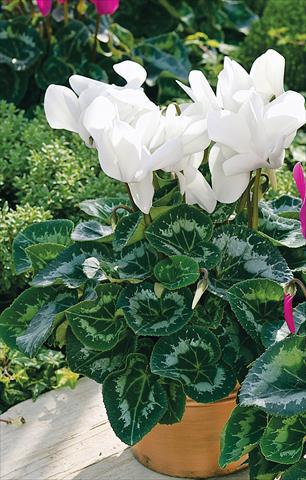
12, 222
22, 377
282, 27
42, 175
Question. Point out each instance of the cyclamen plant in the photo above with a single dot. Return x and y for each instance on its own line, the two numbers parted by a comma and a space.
177, 289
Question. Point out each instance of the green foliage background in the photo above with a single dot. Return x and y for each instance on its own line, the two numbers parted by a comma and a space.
45, 173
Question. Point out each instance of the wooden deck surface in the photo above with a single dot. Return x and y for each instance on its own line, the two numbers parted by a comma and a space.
67, 436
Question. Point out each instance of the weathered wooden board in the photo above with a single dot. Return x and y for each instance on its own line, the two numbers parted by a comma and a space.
67, 436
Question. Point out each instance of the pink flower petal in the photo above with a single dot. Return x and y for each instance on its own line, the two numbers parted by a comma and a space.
300, 180
106, 7
288, 312
44, 6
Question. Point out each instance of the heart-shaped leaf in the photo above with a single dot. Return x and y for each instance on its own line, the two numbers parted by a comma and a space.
296, 472
286, 206
96, 364
68, 267
147, 314
95, 322
184, 230
177, 271
43, 322
134, 399
103, 208
91, 230
176, 403
283, 439
230, 336
255, 303
133, 263
275, 332
50, 231
241, 433
129, 229
280, 230
210, 312
191, 356
33, 312
42, 253
260, 468
245, 255
276, 381
20, 45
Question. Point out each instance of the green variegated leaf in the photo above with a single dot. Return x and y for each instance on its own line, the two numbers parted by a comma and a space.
210, 312
280, 230
256, 303
145, 346
262, 469
286, 206
230, 337
167, 195
96, 364
129, 229
91, 230
96, 323
276, 381
20, 45
43, 322
191, 356
241, 433
50, 231
147, 314
283, 439
42, 253
184, 230
177, 271
295, 258
222, 212
296, 472
133, 263
176, 403
103, 208
275, 332
245, 255
67, 267
134, 399
35, 306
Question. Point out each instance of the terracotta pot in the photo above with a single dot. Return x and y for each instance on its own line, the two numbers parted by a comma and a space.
189, 448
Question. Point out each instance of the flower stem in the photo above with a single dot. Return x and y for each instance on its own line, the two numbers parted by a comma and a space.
66, 12
94, 51
32, 11
131, 198
147, 219
255, 199
48, 27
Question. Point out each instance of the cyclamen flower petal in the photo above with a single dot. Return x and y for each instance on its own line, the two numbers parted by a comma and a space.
267, 73
106, 7
288, 311
300, 181
44, 6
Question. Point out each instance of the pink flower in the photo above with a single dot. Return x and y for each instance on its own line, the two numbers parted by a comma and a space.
106, 7
288, 311
44, 6
300, 181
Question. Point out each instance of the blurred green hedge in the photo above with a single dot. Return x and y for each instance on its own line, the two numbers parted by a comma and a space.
44, 173
282, 27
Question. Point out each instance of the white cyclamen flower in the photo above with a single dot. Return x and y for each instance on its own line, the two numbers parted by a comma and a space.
235, 84
66, 109
254, 137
